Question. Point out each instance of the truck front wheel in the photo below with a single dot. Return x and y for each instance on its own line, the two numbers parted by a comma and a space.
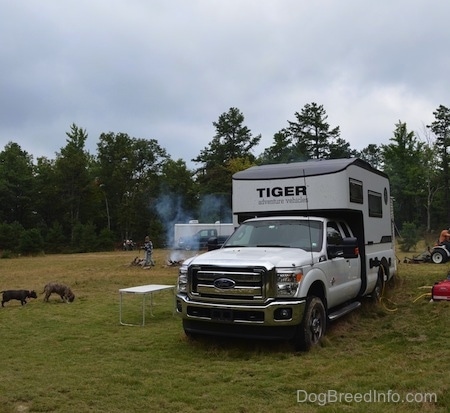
312, 328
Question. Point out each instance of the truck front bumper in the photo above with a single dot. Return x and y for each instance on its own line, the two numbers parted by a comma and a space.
214, 318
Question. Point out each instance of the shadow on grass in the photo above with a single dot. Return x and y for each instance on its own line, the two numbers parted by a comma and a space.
239, 347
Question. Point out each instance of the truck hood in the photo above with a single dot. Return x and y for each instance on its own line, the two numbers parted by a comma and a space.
261, 256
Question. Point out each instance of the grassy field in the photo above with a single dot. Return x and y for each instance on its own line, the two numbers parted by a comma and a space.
58, 357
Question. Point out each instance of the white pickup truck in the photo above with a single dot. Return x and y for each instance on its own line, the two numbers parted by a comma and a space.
313, 238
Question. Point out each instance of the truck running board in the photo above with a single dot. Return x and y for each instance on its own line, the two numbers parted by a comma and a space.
344, 310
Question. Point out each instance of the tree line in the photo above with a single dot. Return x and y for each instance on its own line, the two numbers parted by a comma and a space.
131, 187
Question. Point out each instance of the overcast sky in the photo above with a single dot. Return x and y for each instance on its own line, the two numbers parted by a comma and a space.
167, 69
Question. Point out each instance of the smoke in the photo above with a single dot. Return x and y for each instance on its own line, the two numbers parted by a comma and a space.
169, 208
214, 208
170, 211
177, 255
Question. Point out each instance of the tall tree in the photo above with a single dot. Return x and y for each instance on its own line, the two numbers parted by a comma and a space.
233, 140
441, 128
72, 175
404, 164
433, 183
311, 134
16, 186
49, 195
280, 152
372, 154
128, 171
307, 137
340, 148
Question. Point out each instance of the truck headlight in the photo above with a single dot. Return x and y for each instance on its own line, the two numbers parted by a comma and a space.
287, 283
182, 279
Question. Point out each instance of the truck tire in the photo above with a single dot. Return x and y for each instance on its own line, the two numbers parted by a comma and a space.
438, 257
312, 328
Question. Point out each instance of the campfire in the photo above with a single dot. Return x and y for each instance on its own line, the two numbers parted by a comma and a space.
174, 263
176, 258
139, 262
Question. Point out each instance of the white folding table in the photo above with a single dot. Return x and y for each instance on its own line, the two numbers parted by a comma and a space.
144, 290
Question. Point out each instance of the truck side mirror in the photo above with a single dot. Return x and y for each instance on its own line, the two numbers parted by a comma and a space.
350, 247
334, 251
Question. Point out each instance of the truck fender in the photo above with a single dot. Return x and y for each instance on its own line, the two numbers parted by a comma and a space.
377, 279
314, 283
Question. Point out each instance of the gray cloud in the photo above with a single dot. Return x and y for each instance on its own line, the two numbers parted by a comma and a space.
167, 69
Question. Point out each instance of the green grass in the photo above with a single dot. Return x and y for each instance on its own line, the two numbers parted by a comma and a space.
58, 357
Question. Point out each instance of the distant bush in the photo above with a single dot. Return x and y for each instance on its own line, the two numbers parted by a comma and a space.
31, 242
409, 236
55, 241
105, 240
10, 236
7, 254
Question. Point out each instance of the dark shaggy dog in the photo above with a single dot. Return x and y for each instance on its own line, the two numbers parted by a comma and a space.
20, 295
63, 291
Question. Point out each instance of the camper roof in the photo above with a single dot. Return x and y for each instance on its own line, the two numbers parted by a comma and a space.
301, 169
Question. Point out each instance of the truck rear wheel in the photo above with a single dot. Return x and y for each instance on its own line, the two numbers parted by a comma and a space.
312, 328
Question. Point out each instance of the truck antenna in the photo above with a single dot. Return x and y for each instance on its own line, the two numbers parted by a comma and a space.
307, 217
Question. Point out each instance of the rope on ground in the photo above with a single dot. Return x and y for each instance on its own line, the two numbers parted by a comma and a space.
421, 296
384, 299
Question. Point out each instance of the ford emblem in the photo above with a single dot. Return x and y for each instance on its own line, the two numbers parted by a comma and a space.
224, 283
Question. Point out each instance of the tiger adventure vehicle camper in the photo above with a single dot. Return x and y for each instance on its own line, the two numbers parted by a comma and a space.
313, 238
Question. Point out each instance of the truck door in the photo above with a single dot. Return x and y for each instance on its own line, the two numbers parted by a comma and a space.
343, 274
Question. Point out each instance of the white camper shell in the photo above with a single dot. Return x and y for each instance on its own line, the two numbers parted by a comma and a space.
349, 189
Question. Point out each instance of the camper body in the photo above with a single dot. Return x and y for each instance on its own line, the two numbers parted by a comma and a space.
313, 239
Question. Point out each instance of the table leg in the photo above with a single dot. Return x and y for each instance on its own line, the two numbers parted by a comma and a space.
120, 309
151, 304
143, 309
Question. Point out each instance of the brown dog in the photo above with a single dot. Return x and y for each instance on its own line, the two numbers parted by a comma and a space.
62, 290
20, 295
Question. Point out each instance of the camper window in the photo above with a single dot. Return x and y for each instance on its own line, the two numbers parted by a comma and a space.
375, 204
356, 191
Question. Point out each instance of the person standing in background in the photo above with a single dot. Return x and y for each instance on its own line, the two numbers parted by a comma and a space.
148, 248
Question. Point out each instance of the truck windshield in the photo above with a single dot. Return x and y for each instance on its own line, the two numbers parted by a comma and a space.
304, 234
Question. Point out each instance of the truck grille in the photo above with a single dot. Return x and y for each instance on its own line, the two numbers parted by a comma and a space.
222, 283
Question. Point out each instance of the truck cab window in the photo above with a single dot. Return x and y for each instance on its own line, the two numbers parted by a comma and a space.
344, 228
334, 237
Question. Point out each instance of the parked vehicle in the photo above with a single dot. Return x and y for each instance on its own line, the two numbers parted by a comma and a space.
200, 240
314, 238
195, 236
